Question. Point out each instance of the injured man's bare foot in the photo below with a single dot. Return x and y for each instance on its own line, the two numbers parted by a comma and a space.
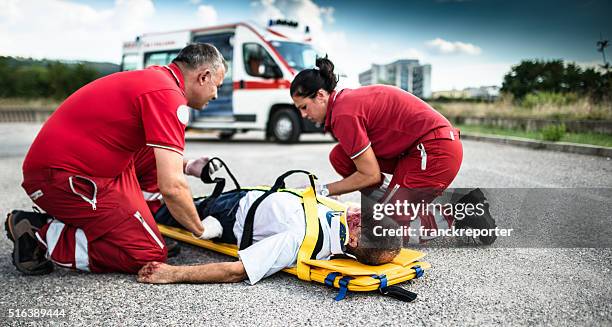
158, 273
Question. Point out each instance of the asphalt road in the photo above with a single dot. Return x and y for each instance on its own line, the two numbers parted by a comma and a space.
466, 286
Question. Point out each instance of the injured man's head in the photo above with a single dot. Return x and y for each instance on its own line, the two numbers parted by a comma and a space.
364, 243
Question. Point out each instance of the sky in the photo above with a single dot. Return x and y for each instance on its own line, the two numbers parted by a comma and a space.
469, 43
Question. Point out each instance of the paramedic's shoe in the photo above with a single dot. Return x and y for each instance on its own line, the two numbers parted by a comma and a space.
173, 246
28, 256
484, 221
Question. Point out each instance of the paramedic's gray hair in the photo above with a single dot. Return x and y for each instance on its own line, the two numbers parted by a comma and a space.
197, 54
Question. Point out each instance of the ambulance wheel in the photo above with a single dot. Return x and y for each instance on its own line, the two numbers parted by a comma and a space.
285, 126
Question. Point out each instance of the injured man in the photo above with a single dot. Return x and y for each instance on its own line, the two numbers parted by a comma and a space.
278, 231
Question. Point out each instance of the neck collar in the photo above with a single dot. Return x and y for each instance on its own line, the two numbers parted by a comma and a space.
339, 231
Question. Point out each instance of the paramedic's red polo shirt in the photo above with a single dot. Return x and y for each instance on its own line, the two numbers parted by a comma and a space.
99, 127
386, 118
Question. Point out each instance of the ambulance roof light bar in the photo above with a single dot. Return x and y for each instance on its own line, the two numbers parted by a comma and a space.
286, 22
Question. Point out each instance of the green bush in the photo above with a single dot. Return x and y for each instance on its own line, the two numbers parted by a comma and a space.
532, 100
553, 133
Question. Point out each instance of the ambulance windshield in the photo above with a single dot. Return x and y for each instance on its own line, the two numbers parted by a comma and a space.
298, 55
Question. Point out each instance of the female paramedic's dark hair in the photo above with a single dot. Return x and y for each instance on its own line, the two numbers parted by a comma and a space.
309, 81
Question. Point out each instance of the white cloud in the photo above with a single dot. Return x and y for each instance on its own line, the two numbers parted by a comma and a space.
9, 9
265, 10
458, 74
207, 15
67, 30
328, 14
374, 46
132, 14
441, 46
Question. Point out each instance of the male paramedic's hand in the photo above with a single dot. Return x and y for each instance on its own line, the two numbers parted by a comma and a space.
212, 228
175, 190
194, 167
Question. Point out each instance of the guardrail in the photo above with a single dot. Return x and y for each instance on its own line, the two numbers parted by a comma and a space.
18, 115
573, 126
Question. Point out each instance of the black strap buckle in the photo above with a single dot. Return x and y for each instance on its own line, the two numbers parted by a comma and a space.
398, 293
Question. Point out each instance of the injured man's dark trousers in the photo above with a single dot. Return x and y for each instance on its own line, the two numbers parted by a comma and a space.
223, 209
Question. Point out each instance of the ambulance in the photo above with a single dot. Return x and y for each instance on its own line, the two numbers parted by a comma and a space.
262, 62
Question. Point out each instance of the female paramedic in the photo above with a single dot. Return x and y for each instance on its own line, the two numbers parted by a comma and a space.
384, 129
379, 128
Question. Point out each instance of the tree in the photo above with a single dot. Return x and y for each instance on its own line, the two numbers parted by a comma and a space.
6, 88
554, 76
28, 78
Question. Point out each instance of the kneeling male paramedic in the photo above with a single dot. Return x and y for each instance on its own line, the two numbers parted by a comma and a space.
278, 231
80, 168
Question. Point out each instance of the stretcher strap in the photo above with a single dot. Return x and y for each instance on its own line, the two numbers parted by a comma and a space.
310, 244
343, 287
247, 232
399, 293
331, 278
383, 281
418, 271
218, 181
395, 292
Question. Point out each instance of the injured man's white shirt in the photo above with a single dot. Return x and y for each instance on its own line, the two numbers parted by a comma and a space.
278, 230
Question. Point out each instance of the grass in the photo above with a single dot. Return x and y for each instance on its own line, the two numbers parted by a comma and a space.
581, 138
578, 109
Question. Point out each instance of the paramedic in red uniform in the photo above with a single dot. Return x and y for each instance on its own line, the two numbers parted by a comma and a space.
384, 129
80, 168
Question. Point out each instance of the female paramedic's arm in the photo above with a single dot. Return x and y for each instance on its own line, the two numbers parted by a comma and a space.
175, 190
367, 174
219, 272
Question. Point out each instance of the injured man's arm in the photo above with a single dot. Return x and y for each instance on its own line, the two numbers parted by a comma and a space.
218, 272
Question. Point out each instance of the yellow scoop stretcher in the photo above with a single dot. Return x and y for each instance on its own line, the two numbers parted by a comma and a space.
344, 274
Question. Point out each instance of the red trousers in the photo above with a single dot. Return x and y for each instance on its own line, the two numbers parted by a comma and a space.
101, 225
419, 175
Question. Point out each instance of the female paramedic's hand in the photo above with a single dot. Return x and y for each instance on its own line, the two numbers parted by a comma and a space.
194, 166
321, 190
318, 188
